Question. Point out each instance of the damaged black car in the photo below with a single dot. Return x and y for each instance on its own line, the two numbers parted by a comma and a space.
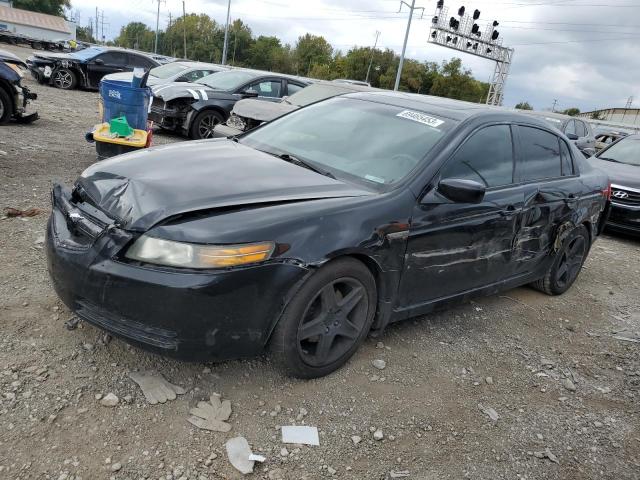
196, 109
328, 223
85, 68
14, 97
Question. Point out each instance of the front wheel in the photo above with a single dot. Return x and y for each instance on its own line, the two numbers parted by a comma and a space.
567, 265
327, 320
204, 124
65, 79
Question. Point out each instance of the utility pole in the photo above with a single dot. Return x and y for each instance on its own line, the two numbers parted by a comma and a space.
102, 31
412, 7
184, 29
226, 35
155, 47
97, 29
372, 53
629, 102
553, 107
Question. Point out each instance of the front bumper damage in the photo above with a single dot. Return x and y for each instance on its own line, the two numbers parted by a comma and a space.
23, 113
190, 315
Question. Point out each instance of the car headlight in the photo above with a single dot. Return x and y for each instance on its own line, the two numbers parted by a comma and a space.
189, 255
235, 121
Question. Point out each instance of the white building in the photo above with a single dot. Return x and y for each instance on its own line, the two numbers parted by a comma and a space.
629, 116
35, 25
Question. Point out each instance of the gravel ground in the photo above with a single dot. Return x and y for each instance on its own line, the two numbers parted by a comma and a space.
564, 388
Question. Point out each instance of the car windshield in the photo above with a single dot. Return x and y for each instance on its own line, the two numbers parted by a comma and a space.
316, 92
626, 151
229, 80
371, 142
87, 53
168, 70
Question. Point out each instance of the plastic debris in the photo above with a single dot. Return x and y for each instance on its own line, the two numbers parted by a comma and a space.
301, 435
490, 412
239, 451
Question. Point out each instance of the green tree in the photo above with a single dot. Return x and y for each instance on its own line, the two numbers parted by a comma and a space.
523, 106
454, 82
312, 50
572, 112
136, 35
263, 52
240, 42
204, 38
83, 34
51, 7
597, 115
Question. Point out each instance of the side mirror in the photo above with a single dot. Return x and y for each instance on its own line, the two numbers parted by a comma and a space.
572, 136
462, 191
98, 61
182, 79
250, 94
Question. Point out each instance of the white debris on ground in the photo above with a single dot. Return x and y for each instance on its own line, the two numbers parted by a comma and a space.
211, 415
155, 388
239, 452
301, 435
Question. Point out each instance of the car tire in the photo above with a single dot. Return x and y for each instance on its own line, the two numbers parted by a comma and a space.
567, 264
203, 125
326, 320
64, 79
6, 107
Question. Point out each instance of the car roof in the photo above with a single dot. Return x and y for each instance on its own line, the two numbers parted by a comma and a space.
264, 73
190, 64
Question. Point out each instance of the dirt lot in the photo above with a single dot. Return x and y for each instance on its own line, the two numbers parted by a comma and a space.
512, 353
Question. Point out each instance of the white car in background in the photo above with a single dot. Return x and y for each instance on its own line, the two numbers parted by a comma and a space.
180, 71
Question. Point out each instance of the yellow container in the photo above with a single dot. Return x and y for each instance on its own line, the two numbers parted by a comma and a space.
137, 140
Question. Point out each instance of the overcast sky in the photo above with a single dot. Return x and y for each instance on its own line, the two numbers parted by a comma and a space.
584, 53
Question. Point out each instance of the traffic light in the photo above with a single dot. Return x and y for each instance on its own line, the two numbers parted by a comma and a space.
440, 4
494, 35
495, 23
453, 23
461, 11
476, 14
434, 35
475, 28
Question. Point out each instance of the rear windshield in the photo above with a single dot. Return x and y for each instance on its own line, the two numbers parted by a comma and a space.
168, 70
316, 92
366, 141
87, 53
229, 80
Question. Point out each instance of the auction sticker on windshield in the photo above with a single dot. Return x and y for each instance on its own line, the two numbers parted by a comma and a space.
421, 117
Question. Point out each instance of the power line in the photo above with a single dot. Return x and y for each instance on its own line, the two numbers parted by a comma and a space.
412, 7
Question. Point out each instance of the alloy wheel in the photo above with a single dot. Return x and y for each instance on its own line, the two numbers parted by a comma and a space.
571, 261
63, 79
333, 321
1, 108
207, 125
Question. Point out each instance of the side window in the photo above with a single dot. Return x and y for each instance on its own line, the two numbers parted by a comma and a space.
570, 128
541, 154
293, 88
114, 58
268, 88
567, 162
486, 157
196, 74
139, 61
581, 130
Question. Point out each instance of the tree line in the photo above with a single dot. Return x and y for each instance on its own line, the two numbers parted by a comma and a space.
311, 56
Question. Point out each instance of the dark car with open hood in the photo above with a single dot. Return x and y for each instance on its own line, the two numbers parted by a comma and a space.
307, 233
621, 161
195, 109
85, 68
14, 97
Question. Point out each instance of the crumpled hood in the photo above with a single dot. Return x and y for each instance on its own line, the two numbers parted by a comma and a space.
261, 110
197, 91
55, 56
142, 188
11, 58
619, 173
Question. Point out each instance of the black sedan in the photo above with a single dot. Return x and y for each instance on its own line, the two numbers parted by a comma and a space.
85, 68
308, 232
14, 97
196, 109
621, 160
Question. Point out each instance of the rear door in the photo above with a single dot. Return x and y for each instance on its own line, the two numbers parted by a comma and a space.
458, 247
105, 63
271, 89
547, 172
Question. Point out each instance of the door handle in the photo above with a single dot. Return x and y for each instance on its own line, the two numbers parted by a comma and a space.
509, 211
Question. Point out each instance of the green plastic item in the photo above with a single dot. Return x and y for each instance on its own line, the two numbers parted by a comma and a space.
120, 127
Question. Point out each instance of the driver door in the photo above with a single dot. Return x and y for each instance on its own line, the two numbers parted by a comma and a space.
454, 247
105, 63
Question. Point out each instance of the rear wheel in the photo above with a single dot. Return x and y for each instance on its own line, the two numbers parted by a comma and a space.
65, 79
567, 264
6, 107
204, 124
326, 321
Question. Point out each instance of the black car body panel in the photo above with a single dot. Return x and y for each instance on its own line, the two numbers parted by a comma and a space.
409, 234
17, 95
88, 65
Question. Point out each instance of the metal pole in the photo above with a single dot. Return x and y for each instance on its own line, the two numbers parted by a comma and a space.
226, 35
404, 45
155, 47
184, 28
372, 52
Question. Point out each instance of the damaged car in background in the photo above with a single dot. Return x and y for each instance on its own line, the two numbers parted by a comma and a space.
85, 68
302, 236
196, 109
250, 112
14, 97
